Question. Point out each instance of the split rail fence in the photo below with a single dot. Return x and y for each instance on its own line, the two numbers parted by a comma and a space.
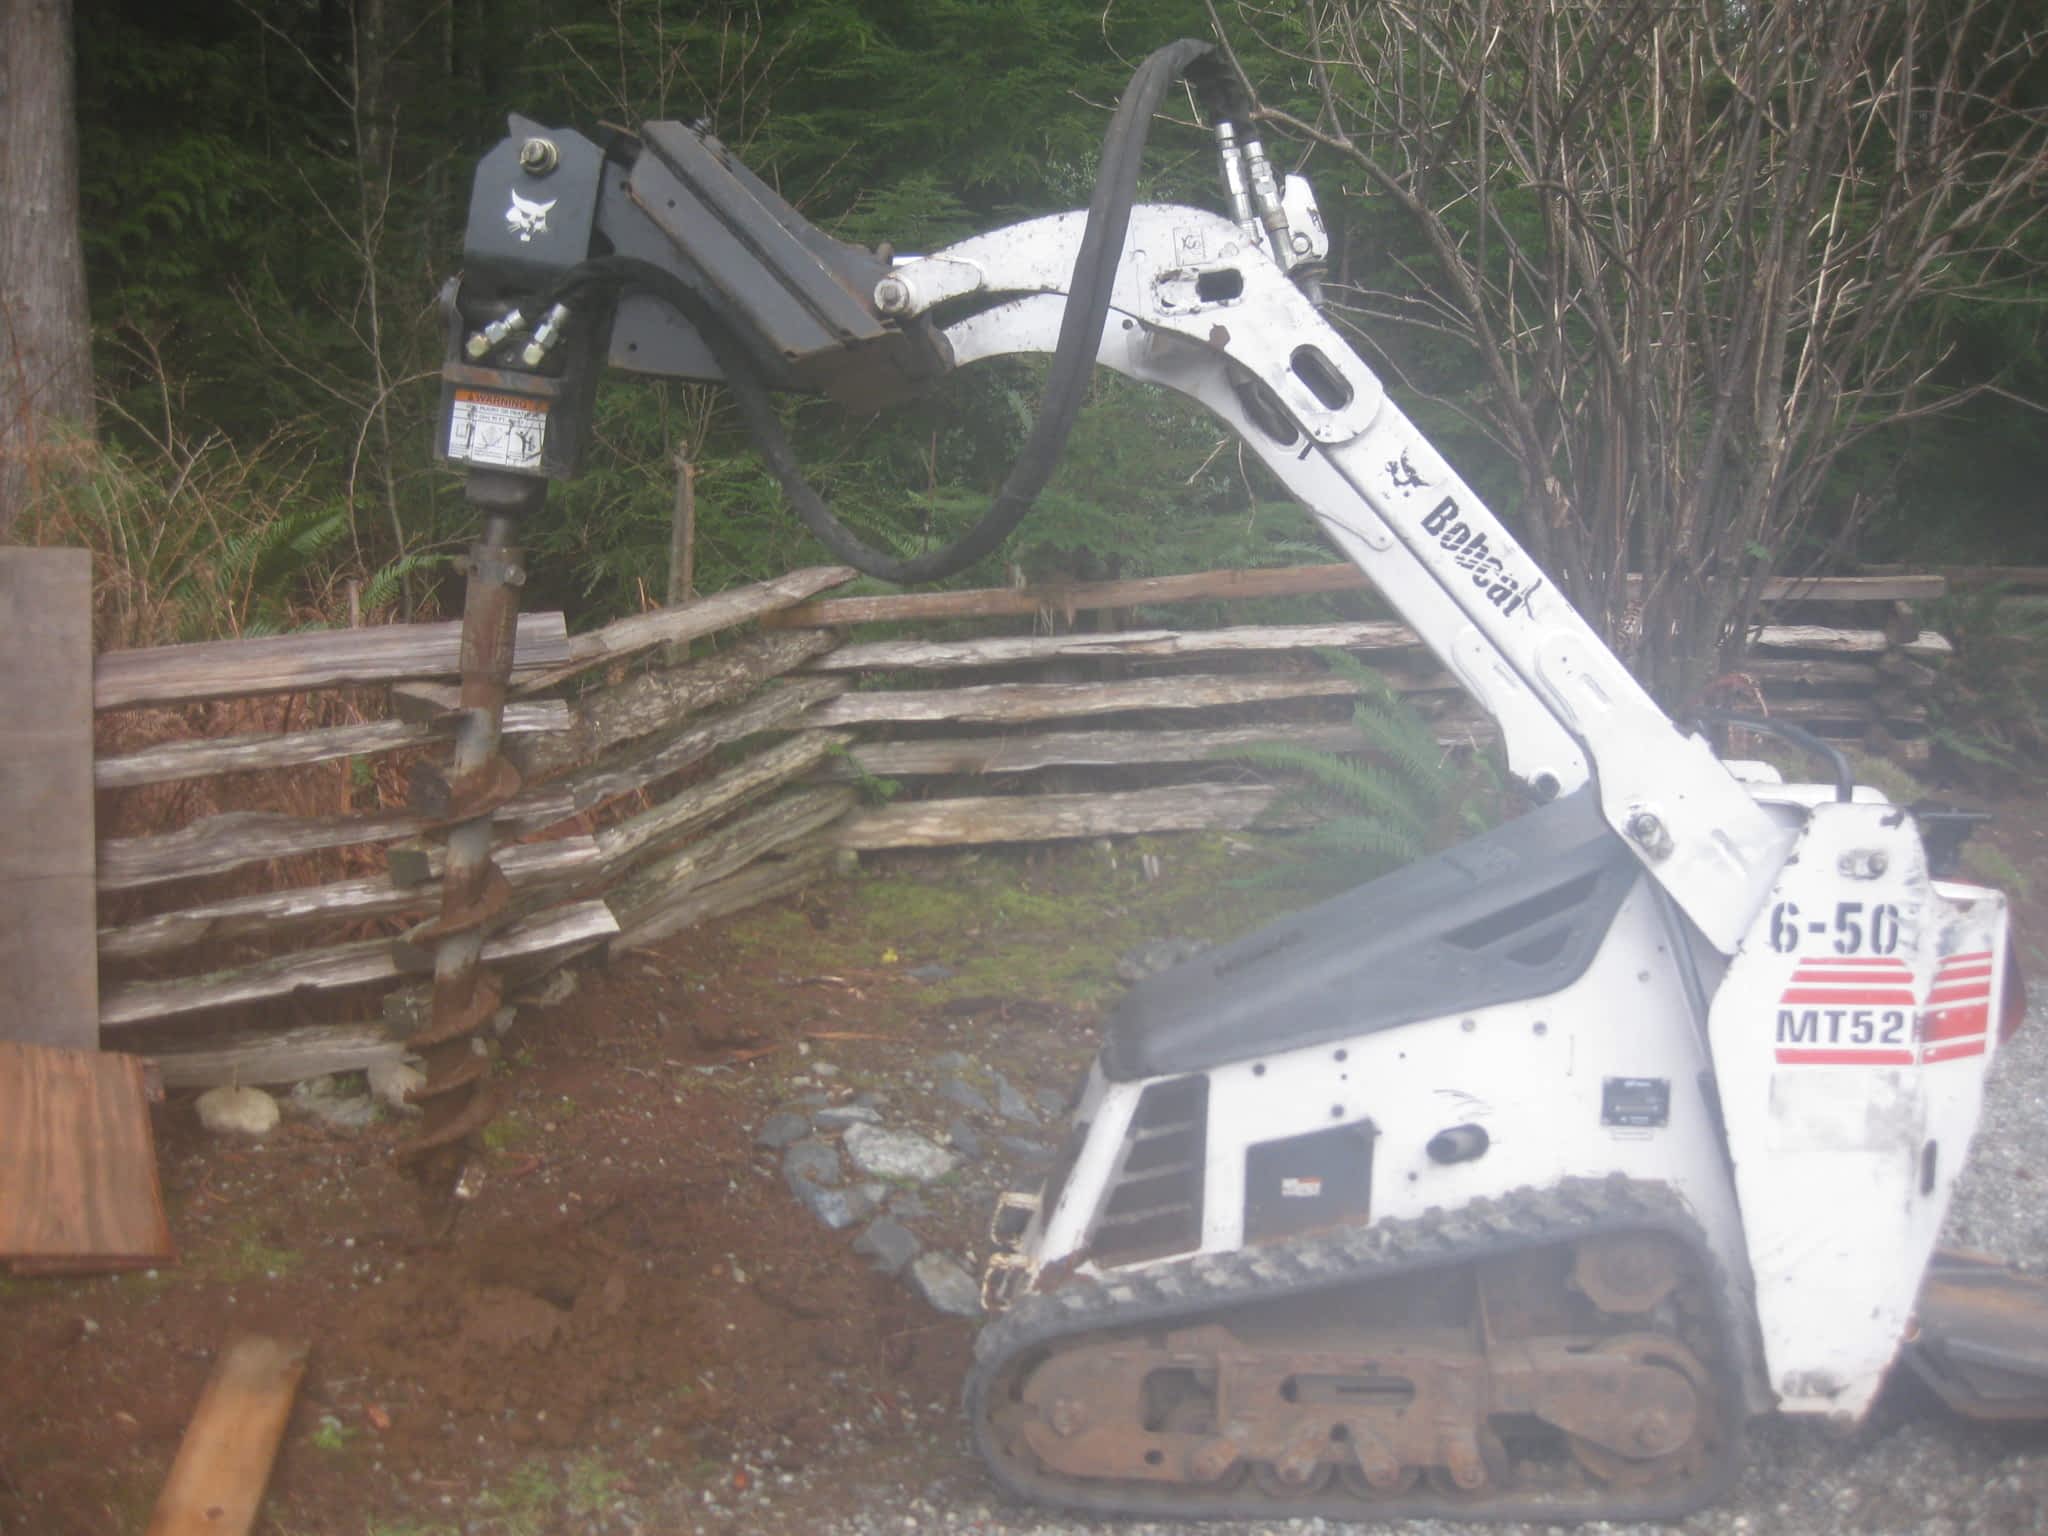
662, 790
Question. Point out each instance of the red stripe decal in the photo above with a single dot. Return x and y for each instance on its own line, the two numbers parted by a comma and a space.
1868, 997
1796, 1056
1954, 1050
1950, 1023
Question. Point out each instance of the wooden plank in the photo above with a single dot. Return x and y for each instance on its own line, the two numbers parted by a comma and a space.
272, 1056
759, 882
330, 658
525, 865
701, 804
214, 845
77, 1163
1054, 749
677, 626
1077, 597
1843, 642
1001, 703
1042, 818
2019, 578
1006, 650
776, 709
327, 970
658, 899
1213, 586
46, 855
240, 754
660, 700
216, 1484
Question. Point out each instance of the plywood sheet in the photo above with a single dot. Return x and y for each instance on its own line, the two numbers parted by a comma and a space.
78, 1184
46, 857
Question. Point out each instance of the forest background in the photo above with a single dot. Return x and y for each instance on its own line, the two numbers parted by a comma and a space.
272, 192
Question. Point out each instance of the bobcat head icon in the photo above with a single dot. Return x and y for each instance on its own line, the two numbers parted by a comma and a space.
527, 219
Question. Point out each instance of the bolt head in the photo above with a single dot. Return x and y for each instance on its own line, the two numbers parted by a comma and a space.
892, 296
538, 156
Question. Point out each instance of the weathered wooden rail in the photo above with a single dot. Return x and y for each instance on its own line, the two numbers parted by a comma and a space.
667, 792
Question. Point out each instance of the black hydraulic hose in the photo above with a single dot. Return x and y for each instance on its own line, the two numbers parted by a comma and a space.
1066, 384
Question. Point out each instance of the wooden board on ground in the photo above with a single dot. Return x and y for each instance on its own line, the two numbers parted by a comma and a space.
46, 857
78, 1185
217, 1482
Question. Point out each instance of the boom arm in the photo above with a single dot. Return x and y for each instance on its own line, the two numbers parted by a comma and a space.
704, 258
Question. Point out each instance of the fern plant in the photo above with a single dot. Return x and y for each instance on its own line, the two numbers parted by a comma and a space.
1400, 796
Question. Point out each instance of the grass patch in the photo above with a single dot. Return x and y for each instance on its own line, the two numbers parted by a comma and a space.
524, 1505
246, 1254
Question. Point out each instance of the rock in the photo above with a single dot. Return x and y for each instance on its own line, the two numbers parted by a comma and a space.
965, 1142
908, 1204
1028, 1154
824, 1069
896, 1154
503, 1020
558, 988
1151, 959
782, 1128
326, 1100
1051, 1100
840, 1116
889, 1243
391, 1081
933, 972
945, 1285
237, 1111
836, 1208
962, 1094
816, 1161
953, 1061
1011, 1104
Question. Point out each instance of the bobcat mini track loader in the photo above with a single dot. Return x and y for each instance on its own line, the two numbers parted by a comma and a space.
1507, 1185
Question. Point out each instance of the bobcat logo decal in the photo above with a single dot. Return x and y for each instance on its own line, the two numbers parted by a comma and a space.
527, 219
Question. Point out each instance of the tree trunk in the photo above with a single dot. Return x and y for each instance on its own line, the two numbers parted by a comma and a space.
45, 335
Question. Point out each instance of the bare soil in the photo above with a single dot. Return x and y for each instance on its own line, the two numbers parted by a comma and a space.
635, 1325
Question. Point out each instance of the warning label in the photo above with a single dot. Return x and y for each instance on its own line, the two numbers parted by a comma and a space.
502, 431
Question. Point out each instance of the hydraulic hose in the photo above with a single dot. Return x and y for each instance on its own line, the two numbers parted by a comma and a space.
1073, 358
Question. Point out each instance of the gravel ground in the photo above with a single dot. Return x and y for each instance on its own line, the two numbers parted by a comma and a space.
1911, 1470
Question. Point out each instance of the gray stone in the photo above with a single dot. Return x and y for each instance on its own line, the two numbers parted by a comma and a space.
824, 1069
889, 1243
816, 1161
945, 1285
953, 1061
962, 1094
1011, 1104
230, 1111
933, 972
1051, 1100
840, 1116
965, 1142
782, 1128
391, 1081
1028, 1154
896, 1154
326, 1100
836, 1208
908, 1204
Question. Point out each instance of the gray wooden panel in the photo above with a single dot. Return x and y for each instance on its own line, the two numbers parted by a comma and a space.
49, 980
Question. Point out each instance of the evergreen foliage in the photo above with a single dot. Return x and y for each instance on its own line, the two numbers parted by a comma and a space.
275, 190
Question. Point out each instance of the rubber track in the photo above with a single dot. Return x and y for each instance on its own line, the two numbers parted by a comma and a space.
1208, 1286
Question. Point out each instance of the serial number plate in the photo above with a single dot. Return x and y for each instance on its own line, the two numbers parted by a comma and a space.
502, 431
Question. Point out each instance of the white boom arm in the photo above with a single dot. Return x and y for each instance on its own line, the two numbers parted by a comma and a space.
1195, 308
